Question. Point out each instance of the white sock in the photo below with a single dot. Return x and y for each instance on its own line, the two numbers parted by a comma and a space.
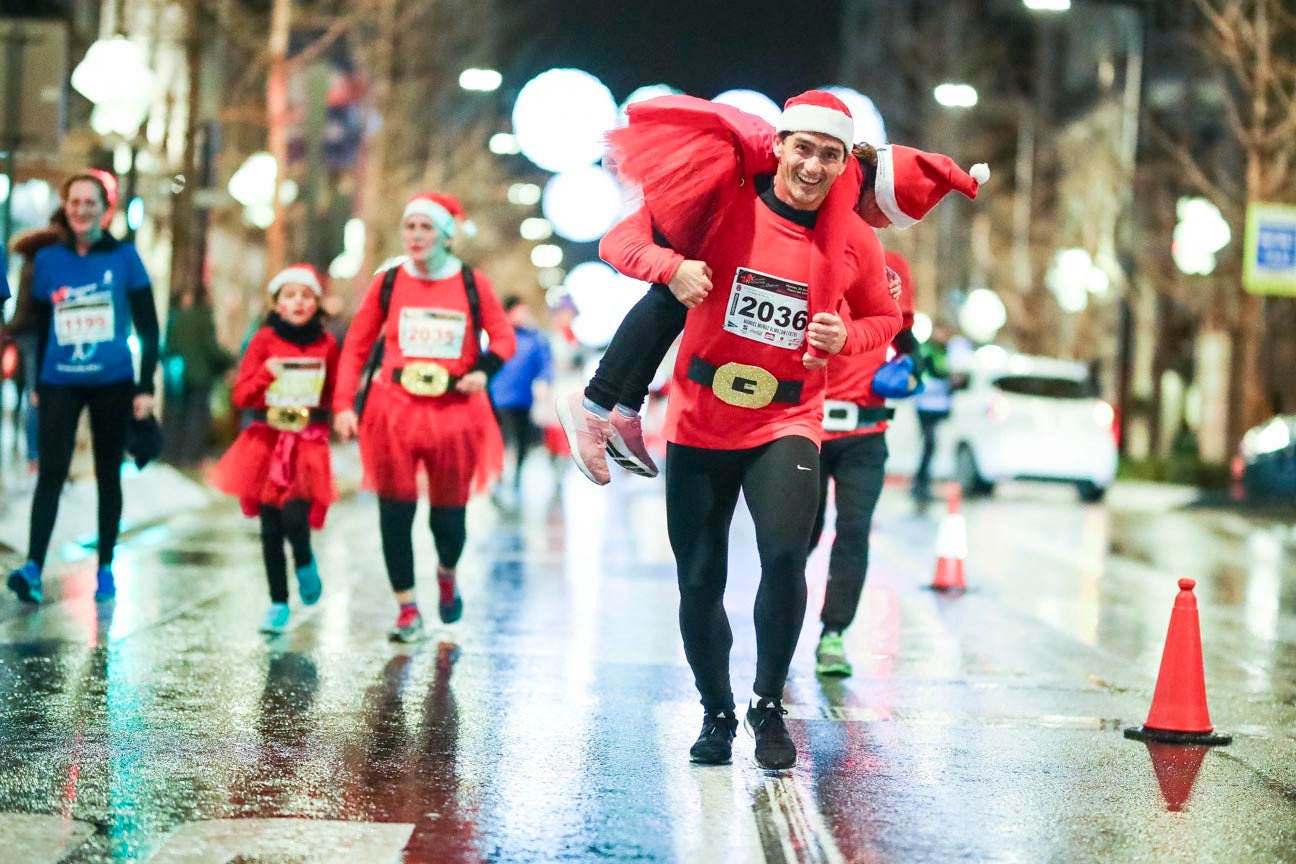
596, 409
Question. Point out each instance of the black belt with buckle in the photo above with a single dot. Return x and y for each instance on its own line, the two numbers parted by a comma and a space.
425, 379
291, 419
315, 415
742, 385
850, 417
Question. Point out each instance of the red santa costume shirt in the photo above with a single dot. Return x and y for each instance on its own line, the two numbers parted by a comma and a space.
850, 378
271, 466
453, 437
755, 315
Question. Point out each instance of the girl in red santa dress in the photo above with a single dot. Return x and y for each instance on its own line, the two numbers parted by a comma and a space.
414, 351
278, 467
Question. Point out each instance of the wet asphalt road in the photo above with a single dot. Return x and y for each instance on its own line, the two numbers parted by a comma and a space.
553, 722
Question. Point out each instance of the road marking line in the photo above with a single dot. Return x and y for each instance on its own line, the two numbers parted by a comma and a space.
317, 840
783, 824
40, 839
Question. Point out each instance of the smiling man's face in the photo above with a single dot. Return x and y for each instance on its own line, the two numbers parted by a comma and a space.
809, 162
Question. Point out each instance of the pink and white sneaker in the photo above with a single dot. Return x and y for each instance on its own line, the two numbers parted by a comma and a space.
588, 436
626, 445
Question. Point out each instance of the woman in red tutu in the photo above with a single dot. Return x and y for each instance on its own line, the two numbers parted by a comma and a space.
278, 467
418, 331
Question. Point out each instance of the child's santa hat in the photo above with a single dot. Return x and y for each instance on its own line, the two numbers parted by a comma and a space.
302, 274
911, 182
445, 211
818, 111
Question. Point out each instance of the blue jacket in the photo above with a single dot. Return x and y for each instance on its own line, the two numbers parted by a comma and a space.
4, 277
511, 386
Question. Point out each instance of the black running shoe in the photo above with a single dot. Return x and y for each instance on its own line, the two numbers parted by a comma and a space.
714, 744
774, 748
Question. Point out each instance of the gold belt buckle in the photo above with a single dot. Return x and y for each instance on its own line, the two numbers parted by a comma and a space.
744, 386
288, 419
425, 379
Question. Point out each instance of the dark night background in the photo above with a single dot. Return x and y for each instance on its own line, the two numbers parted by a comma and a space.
701, 47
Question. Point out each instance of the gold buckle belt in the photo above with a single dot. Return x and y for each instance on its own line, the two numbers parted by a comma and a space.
743, 385
423, 379
288, 419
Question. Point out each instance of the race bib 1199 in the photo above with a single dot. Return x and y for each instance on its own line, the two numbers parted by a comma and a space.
87, 320
767, 309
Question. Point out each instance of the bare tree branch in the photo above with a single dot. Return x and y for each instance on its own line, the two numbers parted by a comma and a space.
1190, 167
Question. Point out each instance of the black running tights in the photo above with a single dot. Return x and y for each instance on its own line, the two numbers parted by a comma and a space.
292, 523
396, 522
111, 406
858, 465
626, 371
780, 482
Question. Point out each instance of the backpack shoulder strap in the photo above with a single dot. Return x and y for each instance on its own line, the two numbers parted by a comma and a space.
474, 299
388, 283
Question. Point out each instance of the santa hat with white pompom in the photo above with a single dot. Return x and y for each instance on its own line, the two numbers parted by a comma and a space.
911, 182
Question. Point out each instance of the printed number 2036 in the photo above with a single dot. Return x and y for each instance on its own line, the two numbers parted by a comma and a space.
767, 312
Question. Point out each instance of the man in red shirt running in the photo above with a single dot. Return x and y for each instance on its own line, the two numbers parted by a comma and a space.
746, 407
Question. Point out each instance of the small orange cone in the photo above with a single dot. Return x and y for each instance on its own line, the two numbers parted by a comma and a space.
1179, 714
951, 546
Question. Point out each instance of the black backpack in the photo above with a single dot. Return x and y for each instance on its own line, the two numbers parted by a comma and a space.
374, 364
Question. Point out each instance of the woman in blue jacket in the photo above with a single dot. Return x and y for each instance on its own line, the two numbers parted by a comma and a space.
88, 292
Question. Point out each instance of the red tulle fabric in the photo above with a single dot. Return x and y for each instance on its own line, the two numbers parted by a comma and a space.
453, 438
265, 466
690, 156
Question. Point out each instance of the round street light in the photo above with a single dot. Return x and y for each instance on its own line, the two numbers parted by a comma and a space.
582, 204
1047, 5
115, 76
752, 102
952, 95
480, 80
560, 118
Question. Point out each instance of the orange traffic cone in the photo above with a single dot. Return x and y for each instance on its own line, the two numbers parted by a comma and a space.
1179, 714
951, 546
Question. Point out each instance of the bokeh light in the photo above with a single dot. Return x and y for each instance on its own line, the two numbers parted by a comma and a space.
582, 204
560, 118
752, 102
602, 297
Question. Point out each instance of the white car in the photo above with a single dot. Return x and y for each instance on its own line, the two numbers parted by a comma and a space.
1015, 416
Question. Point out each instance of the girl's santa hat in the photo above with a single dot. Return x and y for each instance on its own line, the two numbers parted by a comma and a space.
911, 182
445, 211
302, 274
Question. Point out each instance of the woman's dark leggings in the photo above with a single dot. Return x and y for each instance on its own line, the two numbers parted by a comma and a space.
60, 408
396, 522
626, 371
780, 482
291, 523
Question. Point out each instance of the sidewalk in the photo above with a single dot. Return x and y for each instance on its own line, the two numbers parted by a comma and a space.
150, 496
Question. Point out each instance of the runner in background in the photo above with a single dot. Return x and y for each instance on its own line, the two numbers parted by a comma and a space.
279, 466
88, 293
426, 410
523, 380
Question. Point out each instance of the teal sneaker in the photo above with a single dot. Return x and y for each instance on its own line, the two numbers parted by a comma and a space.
830, 657
308, 583
26, 582
276, 619
105, 585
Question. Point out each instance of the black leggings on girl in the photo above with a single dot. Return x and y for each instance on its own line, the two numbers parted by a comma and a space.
780, 482
292, 523
396, 522
110, 407
626, 371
